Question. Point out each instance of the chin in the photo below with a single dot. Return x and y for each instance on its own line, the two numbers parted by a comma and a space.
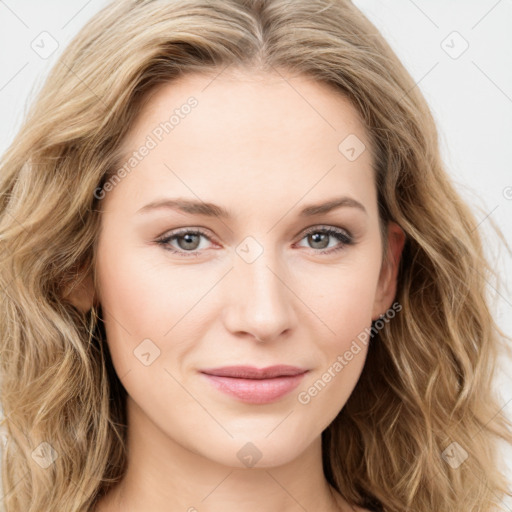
258, 451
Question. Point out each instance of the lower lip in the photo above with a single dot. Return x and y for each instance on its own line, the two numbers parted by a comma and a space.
256, 391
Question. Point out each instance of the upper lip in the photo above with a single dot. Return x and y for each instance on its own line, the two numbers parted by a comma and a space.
251, 372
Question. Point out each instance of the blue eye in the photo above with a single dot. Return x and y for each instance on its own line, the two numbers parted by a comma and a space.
188, 240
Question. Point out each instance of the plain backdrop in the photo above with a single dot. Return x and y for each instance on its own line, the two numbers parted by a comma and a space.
459, 53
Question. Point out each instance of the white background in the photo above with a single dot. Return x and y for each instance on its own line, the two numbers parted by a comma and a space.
470, 96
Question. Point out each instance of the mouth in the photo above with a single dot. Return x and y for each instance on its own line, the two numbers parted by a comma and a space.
256, 386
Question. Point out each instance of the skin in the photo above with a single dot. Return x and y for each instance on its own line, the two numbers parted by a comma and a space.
263, 146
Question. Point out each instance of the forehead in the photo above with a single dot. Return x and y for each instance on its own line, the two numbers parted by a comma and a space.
252, 105
248, 133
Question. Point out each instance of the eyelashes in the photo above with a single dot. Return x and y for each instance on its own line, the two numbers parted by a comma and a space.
189, 236
166, 240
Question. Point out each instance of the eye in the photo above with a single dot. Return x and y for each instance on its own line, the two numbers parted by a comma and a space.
188, 241
319, 236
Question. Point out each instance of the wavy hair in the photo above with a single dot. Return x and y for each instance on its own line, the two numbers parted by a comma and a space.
426, 392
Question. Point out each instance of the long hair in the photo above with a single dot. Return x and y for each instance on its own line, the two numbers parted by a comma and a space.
425, 397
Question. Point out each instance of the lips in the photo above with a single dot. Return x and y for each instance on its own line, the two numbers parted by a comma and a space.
250, 372
255, 386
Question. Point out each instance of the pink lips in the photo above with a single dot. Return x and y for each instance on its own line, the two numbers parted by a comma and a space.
253, 385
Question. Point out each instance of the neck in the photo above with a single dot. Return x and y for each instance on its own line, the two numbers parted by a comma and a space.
164, 476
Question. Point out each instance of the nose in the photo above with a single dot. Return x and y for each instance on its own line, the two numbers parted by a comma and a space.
259, 302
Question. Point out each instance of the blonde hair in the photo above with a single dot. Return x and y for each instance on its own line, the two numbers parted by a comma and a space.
427, 381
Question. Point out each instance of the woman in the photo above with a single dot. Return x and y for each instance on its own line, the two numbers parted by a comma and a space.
237, 275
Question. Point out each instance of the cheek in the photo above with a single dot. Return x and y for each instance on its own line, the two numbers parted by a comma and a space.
127, 296
342, 297
140, 290
344, 307
144, 298
350, 308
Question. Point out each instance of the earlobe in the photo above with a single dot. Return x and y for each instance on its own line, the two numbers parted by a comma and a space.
387, 285
80, 293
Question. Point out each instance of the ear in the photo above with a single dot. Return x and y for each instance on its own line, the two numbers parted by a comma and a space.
386, 287
80, 293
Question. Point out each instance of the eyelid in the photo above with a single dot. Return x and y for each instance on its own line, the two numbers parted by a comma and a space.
326, 227
331, 230
206, 232
173, 233
344, 237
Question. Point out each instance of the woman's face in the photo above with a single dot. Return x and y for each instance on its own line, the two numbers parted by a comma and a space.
249, 161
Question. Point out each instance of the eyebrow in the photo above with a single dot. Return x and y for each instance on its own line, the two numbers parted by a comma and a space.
194, 207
